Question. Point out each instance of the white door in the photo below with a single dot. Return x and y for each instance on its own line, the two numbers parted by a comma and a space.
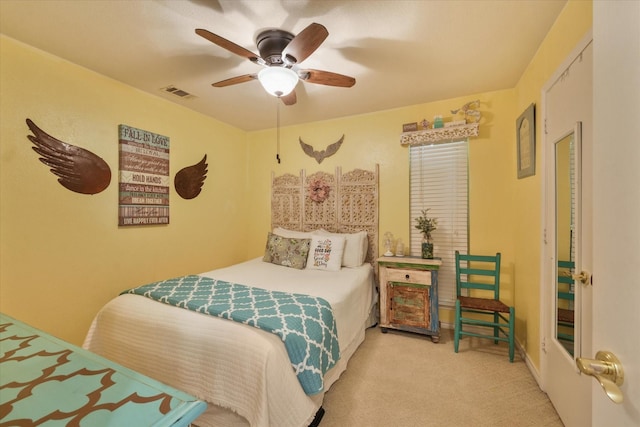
616, 204
611, 167
568, 145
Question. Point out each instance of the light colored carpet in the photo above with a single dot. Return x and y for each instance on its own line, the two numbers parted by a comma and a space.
403, 380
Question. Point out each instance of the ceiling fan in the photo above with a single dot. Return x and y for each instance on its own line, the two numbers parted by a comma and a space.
280, 54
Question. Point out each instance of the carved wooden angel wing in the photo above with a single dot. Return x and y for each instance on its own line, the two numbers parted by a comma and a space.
321, 155
189, 180
333, 148
308, 149
78, 169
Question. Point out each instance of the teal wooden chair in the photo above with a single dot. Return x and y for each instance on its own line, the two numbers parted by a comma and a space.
478, 304
566, 298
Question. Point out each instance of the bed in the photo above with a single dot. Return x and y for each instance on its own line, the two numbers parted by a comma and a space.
243, 372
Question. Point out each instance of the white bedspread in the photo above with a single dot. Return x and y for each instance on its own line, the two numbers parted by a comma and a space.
234, 366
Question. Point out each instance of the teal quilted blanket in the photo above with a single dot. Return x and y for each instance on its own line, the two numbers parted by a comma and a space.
304, 323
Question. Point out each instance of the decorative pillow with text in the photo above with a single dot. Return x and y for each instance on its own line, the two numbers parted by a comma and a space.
326, 252
355, 247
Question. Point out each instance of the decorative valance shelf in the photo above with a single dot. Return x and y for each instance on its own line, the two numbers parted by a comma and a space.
430, 136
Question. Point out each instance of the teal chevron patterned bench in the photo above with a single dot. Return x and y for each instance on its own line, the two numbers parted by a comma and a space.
44, 380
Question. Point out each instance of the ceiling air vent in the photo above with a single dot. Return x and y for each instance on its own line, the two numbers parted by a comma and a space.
178, 92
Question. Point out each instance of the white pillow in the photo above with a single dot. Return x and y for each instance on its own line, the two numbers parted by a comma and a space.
325, 252
292, 234
355, 248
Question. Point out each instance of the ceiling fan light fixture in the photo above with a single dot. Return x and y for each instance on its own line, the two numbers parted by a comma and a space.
278, 81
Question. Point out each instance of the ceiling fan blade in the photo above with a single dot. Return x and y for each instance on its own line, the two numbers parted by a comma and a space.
327, 78
235, 80
229, 45
304, 44
290, 99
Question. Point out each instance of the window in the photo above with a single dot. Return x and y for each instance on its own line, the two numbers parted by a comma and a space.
439, 181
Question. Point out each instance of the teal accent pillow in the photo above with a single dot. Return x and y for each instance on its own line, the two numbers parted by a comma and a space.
285, 251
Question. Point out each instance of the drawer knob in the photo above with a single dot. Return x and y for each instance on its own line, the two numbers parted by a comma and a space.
406, 276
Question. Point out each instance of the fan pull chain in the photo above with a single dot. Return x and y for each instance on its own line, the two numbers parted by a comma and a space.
278, 130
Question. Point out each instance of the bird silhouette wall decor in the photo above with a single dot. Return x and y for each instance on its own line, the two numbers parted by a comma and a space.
77, 169
189, 180
323, 154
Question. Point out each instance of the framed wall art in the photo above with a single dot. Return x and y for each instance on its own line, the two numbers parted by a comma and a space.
526, 142
144, 177
410, 127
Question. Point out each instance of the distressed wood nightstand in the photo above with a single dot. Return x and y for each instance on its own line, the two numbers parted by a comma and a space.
409, 295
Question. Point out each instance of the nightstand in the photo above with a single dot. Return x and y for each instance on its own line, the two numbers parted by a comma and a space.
409, 295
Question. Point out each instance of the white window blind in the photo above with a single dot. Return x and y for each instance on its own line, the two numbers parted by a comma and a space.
439, 181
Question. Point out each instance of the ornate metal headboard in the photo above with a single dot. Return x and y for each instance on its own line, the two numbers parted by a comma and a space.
344, 203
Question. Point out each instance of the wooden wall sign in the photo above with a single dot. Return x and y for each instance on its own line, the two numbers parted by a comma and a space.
144, 177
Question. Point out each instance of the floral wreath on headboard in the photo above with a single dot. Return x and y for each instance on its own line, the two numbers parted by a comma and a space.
319, 190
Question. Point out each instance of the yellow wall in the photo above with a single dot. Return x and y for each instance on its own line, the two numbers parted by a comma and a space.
571, 26
375, 138
505, 212
63, 255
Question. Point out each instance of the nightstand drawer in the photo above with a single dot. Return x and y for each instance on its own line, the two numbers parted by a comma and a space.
420, 277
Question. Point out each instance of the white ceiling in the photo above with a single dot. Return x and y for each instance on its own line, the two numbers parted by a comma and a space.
400, 52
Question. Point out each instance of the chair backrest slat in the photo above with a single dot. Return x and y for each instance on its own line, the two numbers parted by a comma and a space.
489, 271
480, 258
472, 285
478, 271
565, 278
567, 295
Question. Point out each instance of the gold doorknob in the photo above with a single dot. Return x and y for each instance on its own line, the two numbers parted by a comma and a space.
607, 369
583, 277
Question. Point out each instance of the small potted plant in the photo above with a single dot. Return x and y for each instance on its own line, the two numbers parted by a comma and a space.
426, 226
